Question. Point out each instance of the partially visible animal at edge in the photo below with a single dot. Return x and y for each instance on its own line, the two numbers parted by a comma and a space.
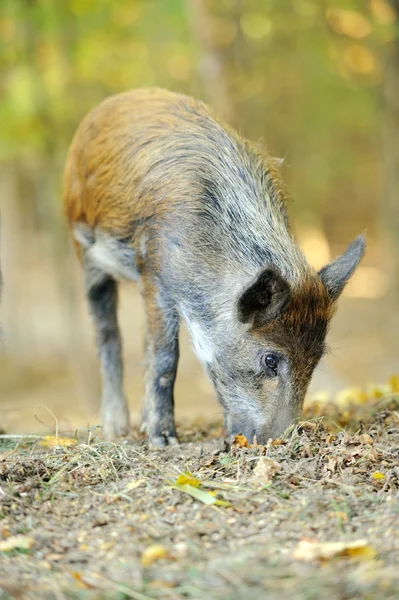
158, 190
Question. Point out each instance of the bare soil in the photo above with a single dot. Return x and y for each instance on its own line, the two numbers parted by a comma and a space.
206, 520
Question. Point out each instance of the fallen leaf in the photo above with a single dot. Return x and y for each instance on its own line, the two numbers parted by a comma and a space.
195, 492
378, 475
365, 438
83, 580
393, 383
308, 425
152, 554
346, 440
313, 550
320, 397
376, 391
189, 484
351, 396
187, 478
17, 542
240, 441
278, 442
265, 470
332, 464
307, 451
52, 441
224, 503
374, 454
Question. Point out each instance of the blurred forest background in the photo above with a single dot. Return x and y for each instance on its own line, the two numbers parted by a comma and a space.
317, 80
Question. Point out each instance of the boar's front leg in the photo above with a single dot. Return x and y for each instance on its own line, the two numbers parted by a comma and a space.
162, 355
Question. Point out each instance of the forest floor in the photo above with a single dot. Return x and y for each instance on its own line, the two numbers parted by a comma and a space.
313, 515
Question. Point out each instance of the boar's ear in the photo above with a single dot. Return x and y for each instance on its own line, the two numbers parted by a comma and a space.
336, 274
264, 298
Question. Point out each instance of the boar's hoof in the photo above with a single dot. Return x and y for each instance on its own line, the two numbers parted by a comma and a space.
163, 440
159, 435
115, 421
115, 429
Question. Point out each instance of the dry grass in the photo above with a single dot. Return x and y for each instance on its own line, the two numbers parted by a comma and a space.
122, 521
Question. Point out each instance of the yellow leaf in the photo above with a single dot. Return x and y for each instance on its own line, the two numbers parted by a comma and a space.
152, 554
277, 442
224, 503
351, 396
394, 383
207, 498
188, 479
378, 475
83, 580
17, 542
313, 550
375, 391
240, 441
51, 441
322, 397
195, 492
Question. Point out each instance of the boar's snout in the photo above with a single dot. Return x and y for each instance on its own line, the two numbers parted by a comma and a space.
262, 431
267, 432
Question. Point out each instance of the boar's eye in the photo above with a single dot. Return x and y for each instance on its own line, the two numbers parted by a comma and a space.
270, 362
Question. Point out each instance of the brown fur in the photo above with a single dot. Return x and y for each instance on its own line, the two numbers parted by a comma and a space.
301, 329
161, 190
102, 183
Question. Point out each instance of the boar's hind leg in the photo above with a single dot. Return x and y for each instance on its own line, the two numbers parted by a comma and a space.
101, 291
162, 355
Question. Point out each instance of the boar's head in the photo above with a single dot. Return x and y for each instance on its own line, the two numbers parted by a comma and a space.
262, 370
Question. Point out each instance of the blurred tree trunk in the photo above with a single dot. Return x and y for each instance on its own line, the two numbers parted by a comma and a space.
211, 67
390, 201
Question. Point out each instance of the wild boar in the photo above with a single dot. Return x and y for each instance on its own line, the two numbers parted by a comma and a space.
160, 191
